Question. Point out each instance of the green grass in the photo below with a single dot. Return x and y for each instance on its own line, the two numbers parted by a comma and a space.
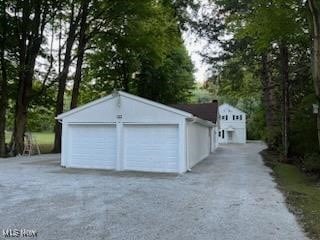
302, 194
44, 139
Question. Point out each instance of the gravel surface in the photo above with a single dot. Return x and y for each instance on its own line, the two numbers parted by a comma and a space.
231, 195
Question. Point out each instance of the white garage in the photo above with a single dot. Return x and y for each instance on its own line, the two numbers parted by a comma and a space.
126, 132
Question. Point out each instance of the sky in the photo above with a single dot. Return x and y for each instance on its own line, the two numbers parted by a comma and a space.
194, 46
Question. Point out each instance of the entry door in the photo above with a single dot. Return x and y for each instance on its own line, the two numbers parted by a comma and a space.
230, 137
92, 146
151, 148
222, 136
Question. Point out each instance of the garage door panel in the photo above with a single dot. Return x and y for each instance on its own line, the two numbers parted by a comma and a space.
93, 146
151, 148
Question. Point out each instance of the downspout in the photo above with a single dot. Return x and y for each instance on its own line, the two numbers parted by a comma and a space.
211, 140
187, 143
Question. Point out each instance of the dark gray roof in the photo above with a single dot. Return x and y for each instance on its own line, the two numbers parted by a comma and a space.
205, 111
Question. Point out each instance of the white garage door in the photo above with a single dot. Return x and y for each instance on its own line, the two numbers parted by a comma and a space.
151, 148
93, 146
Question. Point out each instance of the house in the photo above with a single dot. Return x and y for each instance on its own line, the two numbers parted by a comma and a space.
207, 111
125, 132
232, 123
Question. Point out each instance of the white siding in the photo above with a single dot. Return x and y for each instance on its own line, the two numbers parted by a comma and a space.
198, 143
238, 126
130, 111
99, 113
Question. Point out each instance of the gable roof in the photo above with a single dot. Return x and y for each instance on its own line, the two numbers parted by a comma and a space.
124, 94
232, 107
205, 111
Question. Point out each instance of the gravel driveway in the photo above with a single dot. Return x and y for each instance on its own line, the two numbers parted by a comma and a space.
231, 195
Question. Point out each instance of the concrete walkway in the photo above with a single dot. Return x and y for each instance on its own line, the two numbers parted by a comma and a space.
231, 195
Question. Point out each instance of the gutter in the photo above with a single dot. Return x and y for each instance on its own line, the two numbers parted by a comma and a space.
191, 120
206, 123
58, 119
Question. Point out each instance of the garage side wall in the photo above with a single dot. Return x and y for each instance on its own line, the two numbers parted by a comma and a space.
214, 136
198, 146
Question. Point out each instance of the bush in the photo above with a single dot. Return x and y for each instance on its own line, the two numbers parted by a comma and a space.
302, 135
312, 162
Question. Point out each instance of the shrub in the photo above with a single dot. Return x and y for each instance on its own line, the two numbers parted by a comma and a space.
312, 162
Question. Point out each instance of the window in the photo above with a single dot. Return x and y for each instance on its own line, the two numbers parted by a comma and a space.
240, 117
222, 117
222, 133
226, 117
219, 133
233, 117
237, 117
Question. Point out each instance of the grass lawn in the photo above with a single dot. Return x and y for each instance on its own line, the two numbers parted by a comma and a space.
44, 139
302, 193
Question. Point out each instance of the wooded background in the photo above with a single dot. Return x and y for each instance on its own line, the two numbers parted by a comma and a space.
55, 55
269, 67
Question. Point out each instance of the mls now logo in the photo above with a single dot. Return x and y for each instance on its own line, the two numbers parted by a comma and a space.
19, 233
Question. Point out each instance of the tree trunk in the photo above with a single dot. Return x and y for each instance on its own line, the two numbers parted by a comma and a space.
29, 47
284, 59
62, 79
3, 85
81, 50
314, 6
270, 103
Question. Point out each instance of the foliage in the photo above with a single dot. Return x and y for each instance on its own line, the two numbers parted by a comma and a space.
273, 21
143, 55
139, 29
303, 136
169, 83
239, 85
247, 31
131, 45
201, 94
311, 162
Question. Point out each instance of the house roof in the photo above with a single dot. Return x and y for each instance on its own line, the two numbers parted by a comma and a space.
232, 107
205, 111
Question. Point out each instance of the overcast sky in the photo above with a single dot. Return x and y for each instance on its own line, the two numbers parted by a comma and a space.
195, 46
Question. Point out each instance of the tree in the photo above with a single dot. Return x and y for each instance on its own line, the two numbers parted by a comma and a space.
126, 40
169, 83
271, 30
270, 102
83, 39
3, 80
31, 20
74, 20
138, 32
274, 22
314, 6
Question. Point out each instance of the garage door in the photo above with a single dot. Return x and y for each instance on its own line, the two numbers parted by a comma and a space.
93, 146
151, 148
